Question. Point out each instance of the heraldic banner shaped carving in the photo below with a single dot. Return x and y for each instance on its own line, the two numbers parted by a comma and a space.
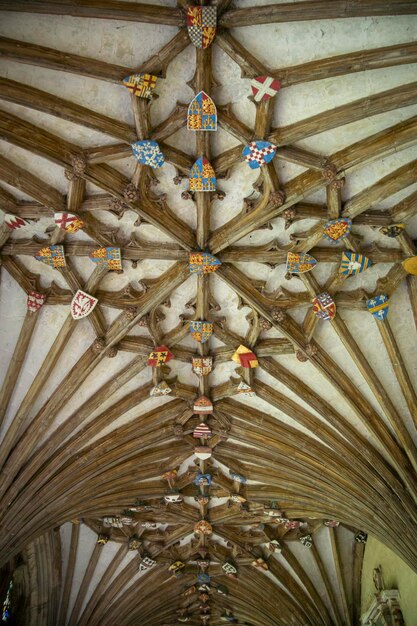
353, 263
110, 257
82, 304
378, 306
201, 331
324, 306
69, 222
52, 256
264, 87
141, 85
201, 25
202, 113
202, 176
335, 230
203, 263
258, 153
300, 262
148, 153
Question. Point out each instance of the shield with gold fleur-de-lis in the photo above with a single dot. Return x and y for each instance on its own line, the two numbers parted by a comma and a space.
110, 257
141, 85
202, 365
202, 113
201, 330
338, 229
300, 262
378, 306
202, 176
201, 25
203, 263
52, 255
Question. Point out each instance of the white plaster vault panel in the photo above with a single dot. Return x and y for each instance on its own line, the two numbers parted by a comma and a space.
277, 45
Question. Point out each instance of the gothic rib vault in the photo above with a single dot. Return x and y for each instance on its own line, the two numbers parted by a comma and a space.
86, 454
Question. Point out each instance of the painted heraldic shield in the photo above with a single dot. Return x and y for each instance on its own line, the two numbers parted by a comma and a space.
353, 263
141, 85
201, 331
335, 230
264, 87
245, 357
68, 221
159, 356
52, 256
110, 257
148, 153
324, 306
300, 262
82, 304
378, 306
14, 221
202, 365
35, 300
203, 263
202, 113
203, 406
258, 153
201, 25
202, 176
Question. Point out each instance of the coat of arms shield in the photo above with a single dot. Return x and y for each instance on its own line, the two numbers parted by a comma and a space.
14, 221
141, 85
148, 152
245, 357
258, 153
203, 406
264, 87
335, 230
203, 263
201, 25
202, 365
82, 304
202, 452
245, 389
52, 256
202, 176
68, 221
161, 389
202, 431
378, 306
202, 113
159, 356
410, 265
110, 257
392, 230
353, 263
35, 300
324, 306
300, 262
201, 330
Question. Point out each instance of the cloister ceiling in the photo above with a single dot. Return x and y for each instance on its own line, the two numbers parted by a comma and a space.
324, 450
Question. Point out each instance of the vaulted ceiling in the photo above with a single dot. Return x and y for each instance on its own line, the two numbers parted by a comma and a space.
323, 451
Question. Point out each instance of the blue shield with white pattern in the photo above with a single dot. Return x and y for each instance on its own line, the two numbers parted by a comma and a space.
148, 153
378, 306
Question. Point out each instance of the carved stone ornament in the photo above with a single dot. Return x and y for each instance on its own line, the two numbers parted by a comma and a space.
102, 539
361, 537
301, 356
277, 198
131, 194
79, 164
329, 172
278, 315
134, 543
203, 527
130, 313
98, 345
264, 324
